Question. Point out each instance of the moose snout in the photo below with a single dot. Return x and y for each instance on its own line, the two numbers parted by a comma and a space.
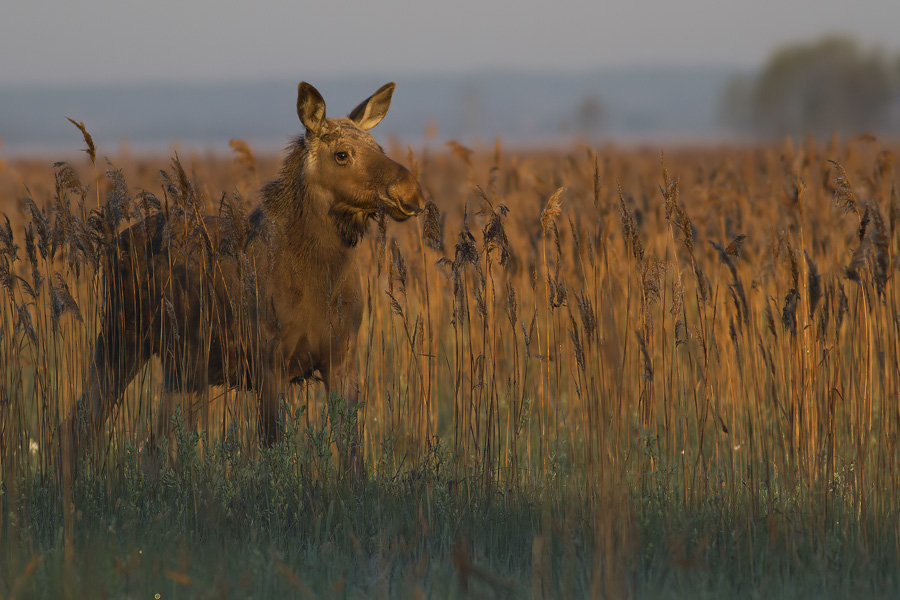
407, 195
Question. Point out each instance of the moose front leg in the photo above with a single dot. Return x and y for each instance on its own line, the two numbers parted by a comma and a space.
342, 386
269, 394
191, 403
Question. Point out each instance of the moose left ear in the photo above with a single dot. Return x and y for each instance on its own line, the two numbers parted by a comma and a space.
372, 110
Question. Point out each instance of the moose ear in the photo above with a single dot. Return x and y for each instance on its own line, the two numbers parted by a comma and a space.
310, 108
372, 110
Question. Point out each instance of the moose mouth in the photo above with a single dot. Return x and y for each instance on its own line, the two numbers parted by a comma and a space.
400, 210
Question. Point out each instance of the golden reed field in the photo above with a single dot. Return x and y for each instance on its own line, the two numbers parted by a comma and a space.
609, 372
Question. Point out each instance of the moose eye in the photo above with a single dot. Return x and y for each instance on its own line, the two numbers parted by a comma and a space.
341, 157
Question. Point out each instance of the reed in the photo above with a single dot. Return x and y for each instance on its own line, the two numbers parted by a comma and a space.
674, 375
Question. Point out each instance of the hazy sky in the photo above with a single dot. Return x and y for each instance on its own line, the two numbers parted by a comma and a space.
92, 41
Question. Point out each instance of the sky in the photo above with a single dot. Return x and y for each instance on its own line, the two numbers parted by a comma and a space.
120, 41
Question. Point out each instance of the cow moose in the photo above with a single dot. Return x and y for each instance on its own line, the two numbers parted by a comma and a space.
256, 306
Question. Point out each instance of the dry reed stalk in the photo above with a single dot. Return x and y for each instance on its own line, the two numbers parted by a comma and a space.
761, 390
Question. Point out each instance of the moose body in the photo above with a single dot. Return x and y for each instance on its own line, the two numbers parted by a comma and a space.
258, 303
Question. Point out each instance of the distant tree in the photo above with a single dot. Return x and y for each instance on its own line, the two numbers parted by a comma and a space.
830, 85
587, 118
896, 82
590, 115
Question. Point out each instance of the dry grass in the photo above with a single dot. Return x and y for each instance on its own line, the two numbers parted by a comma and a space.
682, 372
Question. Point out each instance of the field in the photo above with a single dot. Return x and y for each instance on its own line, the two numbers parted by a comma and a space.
602, 372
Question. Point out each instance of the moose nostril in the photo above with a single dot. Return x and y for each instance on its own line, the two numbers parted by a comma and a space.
415, 202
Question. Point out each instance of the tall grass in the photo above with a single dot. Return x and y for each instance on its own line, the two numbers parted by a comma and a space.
603, 373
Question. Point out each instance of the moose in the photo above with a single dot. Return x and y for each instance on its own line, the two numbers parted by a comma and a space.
254, 307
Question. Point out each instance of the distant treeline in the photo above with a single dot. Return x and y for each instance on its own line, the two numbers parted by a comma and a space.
833, 85
830, 85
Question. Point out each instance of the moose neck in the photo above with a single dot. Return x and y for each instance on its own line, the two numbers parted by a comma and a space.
304, 231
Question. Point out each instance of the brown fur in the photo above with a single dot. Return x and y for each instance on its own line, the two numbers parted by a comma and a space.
255, 304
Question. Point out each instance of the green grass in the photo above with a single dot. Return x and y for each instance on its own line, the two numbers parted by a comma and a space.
285, 524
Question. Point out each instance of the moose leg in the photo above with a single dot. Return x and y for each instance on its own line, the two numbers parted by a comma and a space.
191, 404
165, 427
343, 382
269, 393
164, 424
186, 391
115, 364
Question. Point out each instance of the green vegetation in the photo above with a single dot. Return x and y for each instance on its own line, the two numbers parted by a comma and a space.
585, 375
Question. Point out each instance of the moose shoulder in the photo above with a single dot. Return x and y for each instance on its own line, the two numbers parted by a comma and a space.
259, 306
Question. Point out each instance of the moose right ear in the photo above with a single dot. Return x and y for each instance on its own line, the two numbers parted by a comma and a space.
310, 108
